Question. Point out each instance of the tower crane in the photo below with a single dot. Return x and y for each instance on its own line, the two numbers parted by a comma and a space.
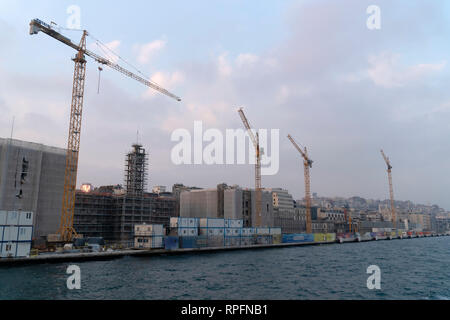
307, 164
258, 152
391, 189
66, 229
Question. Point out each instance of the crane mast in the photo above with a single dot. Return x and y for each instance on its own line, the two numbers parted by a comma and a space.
66, 229
258, 189
391, 189
73, 146
307, 164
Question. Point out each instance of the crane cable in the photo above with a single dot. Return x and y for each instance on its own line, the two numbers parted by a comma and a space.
101, 44
102, 47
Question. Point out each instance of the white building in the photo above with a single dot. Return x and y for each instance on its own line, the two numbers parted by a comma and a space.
159, 189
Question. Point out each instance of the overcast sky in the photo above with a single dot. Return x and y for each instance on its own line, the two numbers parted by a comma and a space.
309, 68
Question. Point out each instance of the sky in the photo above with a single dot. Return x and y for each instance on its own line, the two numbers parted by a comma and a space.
308, 68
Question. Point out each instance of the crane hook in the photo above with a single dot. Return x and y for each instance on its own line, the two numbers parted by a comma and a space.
99, 71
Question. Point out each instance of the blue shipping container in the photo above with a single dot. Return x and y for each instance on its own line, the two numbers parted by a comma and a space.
188, 242
171, 243
297, 237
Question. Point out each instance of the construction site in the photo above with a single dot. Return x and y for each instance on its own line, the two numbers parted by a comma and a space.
42, 180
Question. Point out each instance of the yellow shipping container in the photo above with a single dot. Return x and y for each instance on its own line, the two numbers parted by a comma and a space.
276, 238
320, 237
331, 237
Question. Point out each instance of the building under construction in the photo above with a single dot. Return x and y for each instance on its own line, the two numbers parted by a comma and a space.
136, 170
32, 179
112, 211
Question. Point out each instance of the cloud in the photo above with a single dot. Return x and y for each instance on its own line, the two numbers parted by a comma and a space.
111, 52
244, 59
167, 80
386, 70
223, 66
145, 52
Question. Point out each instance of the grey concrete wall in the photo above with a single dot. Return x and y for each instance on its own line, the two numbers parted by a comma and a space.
42, 190
233, 199
266, 209
199, 203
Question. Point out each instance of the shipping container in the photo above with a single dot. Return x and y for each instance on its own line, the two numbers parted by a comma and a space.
248, 231
212, 223
264, 239
215, 241
297, 237
3, 215
171, 243
149, 230
23, 249
320, 237
25, 218
276, 238
331, 237
234, 223
202, 241
25, 233
151, 242
187, 232
183, 222
12, 218
263, 231
232, 241
212, 231
10, 233
248, 241
233, 232
274, 231
188, 242
8, 249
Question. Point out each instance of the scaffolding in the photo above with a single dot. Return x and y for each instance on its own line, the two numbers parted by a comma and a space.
136, 170
113, 216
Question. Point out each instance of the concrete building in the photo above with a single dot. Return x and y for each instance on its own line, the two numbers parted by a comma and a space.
229, 202
422, 221
322, 226
177, 189
442, 224
282, 199
335, 214
32, 179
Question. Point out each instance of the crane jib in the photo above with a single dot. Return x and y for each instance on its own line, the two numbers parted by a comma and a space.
37, 25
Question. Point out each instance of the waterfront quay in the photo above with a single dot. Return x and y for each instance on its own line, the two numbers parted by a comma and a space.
108, 255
